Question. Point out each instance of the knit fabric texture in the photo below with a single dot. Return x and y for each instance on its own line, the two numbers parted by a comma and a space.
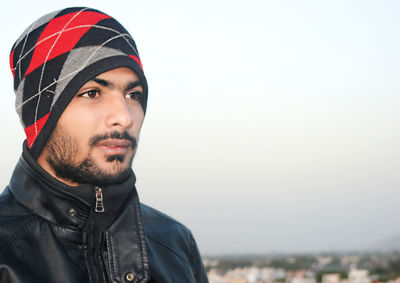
56, 55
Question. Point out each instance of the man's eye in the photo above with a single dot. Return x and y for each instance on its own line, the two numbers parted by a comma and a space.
93, 93
135, 95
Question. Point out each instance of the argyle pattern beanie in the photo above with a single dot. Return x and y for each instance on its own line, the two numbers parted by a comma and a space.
58, 54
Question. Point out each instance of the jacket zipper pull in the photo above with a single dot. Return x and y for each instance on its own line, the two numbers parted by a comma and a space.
99, 200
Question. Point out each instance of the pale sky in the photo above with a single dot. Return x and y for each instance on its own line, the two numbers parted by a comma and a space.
271, 125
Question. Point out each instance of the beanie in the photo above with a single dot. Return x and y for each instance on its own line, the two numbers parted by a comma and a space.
56, 55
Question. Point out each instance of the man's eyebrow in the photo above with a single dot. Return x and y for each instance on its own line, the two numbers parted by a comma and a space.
109, 84
102, 82
133, 85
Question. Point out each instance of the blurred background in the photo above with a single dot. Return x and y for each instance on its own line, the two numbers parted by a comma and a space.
272, 126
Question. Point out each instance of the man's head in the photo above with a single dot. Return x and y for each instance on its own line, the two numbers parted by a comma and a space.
96, 136
81, 94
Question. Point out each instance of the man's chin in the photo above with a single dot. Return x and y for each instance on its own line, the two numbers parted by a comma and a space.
114, 172
114, 165
108, 176
114, 178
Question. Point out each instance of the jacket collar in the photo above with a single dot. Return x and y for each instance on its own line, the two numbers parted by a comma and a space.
62, 204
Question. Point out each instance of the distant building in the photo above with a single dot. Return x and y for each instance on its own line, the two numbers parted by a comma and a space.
359, 276
270, 274
215, 277
397, 280
331, 278
300, 276
248, 275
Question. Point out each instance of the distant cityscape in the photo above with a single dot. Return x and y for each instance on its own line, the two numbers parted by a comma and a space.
366, 267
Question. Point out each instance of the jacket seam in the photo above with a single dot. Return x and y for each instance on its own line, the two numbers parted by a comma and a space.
17, 234
141, 239
167, 247
85, 253
192, 257
111, 252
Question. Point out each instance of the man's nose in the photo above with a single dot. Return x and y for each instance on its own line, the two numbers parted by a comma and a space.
118, 112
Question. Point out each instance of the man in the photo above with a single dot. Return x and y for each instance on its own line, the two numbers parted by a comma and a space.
71, 212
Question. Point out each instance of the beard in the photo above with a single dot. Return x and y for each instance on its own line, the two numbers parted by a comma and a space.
63, 147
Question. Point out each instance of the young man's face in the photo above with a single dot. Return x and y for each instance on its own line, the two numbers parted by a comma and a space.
96, 137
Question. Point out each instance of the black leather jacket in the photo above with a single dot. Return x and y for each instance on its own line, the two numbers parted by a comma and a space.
50, 232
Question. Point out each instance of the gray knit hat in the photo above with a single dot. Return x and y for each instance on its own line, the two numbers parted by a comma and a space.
58, 54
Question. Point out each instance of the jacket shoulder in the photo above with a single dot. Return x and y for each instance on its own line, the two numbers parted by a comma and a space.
166, 231
15, 219
10, 208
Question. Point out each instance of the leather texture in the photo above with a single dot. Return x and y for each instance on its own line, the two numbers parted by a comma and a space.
48, 234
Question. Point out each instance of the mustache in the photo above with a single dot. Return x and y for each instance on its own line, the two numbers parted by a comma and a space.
114, 135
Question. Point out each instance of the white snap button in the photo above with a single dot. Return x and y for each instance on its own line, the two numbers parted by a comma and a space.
72, 212
130, 276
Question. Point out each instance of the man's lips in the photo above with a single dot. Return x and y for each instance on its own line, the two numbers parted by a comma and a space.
114, 146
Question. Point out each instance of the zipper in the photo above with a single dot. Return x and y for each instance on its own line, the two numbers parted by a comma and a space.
98, 237
99, 200
96, 242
